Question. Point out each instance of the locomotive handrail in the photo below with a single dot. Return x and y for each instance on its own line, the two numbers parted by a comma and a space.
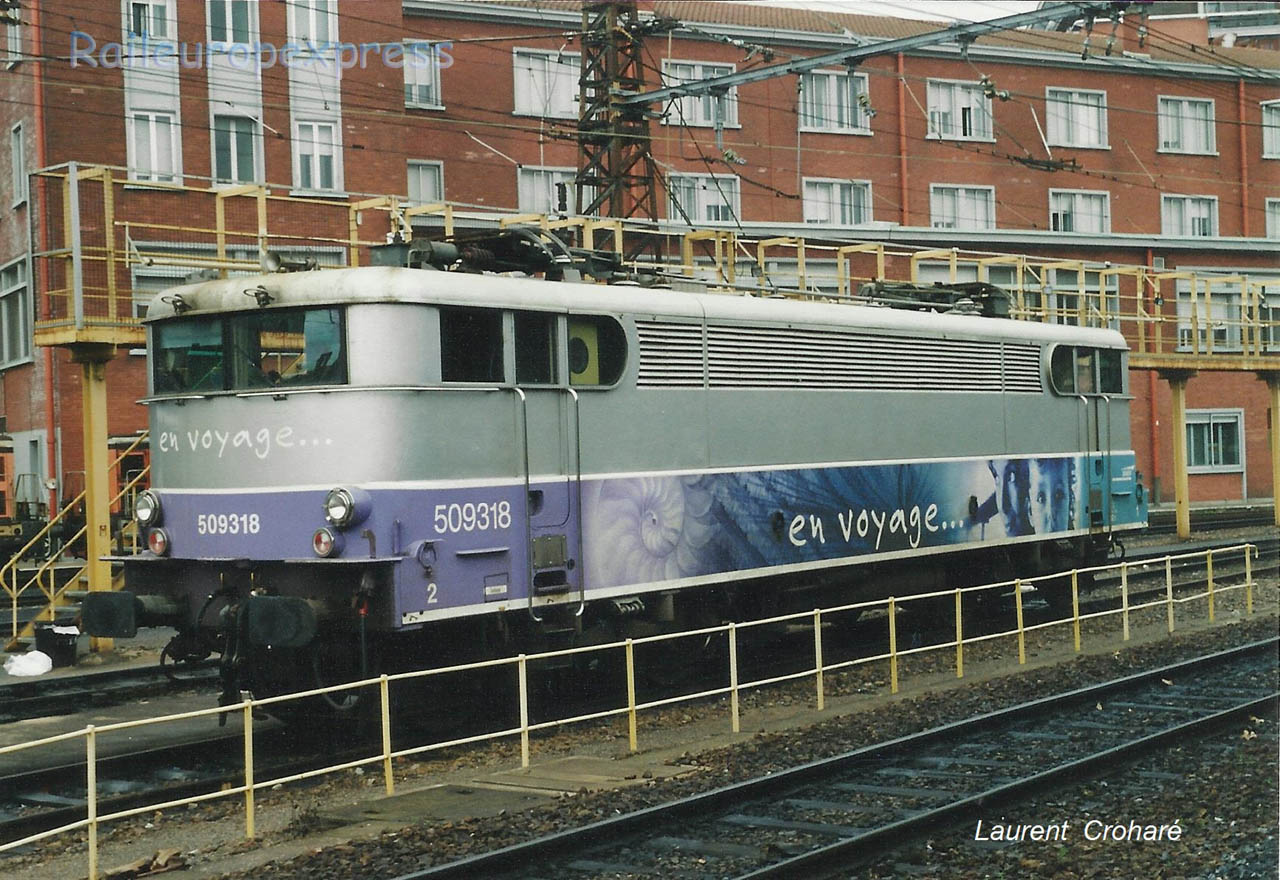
528, 517
577, 482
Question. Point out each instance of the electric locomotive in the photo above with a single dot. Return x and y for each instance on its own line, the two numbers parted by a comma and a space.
368, 469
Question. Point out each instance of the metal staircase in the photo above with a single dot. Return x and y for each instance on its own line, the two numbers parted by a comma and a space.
50, 590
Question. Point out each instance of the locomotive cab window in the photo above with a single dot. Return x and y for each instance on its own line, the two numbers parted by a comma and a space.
535, 348
470, 345
597, 350
1087, 371
249, 350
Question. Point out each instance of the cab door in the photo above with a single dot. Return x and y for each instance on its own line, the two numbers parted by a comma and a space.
551, 427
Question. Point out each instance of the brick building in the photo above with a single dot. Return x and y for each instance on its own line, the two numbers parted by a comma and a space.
1115, 149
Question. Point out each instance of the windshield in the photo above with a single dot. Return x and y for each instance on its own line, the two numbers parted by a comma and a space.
249, 350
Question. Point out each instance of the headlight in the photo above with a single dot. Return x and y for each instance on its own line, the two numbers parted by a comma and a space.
158, 541
147, 509
325, 543
346, 507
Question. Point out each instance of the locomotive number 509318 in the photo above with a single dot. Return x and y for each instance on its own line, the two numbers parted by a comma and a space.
228, 524
478, 517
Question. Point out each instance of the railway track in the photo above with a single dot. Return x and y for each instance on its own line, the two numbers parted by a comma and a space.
42, 697
828, 815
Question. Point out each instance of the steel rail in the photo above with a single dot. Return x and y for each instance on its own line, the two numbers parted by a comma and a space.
555, 846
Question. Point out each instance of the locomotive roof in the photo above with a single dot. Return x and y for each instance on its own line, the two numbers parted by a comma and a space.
389, 284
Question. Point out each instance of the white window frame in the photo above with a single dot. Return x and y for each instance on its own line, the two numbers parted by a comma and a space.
1224, 319
335, 144
305, 14
17, 270
1272, 211
420, 165
13, 41
845, 84
418, 77
1062, 111
698, 110
937, 190
135, 149
1270, 129
1167, 199
978, 112
1166, 117
1078, 196
810, 199
18, 164
168, 18
251, 24
539, 89
537, 183
255, 135
1208, 418
727, 192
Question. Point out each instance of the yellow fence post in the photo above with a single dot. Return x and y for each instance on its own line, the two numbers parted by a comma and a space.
523, 674
817, 656
1168, 588
893, 646
1208, 564
384, 689
959, 637
91, 796
1248, 578
1075, 606
733, 676
1124, 597
248, 770
631, 696
1022, 636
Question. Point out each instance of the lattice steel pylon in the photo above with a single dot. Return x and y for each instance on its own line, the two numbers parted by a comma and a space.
617, 176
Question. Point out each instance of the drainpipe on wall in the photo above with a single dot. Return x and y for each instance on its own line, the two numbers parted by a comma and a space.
902, 139
1244, 161
47, 359
1152, 423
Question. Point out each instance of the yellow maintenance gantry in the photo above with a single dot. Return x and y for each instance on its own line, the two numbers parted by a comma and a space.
105, 244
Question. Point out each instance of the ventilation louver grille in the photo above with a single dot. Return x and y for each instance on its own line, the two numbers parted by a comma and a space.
776, 357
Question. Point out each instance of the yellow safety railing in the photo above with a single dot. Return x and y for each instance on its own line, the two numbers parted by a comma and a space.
44, 575
387, 754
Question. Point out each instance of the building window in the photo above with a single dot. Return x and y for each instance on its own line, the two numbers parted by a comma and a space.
1273, 218
18, 161
421, 76
546, 83
148, 20
959, 111
1076, 118
316, 156
15, 314
235, 145
834, 102
539, 189
962, 207
1186, 125
153, 146
698, 109
229, 21
1189, 216
426, 182
1222, 318
314, 21
1073, 210
1213, 440
840, 202
1271, 130
703, 198
13, 40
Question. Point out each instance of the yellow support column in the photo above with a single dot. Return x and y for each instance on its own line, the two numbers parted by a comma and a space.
93, 358
1177, 380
